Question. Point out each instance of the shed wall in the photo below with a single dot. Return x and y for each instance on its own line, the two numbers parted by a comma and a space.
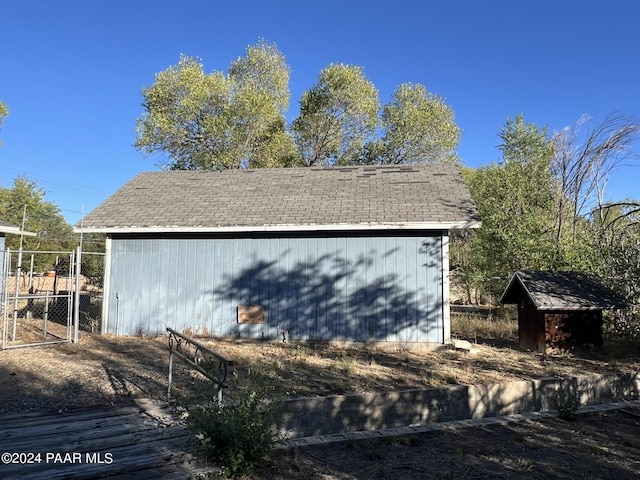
568, 330
382, 288
530, 325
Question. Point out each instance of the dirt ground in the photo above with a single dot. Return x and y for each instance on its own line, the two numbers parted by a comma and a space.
595, 446
105, 370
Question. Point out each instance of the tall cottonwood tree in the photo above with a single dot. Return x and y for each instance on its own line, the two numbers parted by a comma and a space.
338, 115
419, 127
217, 121
186, 117
261, 95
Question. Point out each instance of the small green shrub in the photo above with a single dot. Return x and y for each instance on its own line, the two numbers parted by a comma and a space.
238, 435
567, 405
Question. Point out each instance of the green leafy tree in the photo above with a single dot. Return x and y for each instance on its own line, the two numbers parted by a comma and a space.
216, 121
419, 127
261, 98
338, 115
542, 207
212, 121
185, 117
516, 201
42, 217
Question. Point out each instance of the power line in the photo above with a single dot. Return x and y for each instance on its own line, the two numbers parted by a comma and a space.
61, 183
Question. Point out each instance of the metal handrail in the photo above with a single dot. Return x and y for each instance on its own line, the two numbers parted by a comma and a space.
208, 362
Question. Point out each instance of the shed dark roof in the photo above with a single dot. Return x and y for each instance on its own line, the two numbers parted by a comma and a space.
368, 197
561, 291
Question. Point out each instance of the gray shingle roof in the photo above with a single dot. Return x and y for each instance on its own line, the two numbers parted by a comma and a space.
561, 291
426, 196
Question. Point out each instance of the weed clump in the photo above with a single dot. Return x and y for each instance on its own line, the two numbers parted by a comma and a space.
237, 435
568, 405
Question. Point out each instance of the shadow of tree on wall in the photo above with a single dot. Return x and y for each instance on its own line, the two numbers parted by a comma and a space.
337, 298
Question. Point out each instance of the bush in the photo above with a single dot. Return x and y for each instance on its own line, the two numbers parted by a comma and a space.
238, 435
567, 405
624, 324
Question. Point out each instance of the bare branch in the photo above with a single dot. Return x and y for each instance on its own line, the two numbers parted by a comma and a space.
586, 157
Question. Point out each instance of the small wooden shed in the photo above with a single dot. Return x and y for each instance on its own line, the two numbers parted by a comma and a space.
559, 311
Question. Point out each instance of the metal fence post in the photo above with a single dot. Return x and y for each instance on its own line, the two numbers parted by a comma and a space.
76, 299
170, 374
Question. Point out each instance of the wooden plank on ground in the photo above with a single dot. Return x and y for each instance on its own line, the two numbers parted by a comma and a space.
10, 420
144, 440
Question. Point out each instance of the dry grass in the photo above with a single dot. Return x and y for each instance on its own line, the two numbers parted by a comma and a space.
102, 369
320, 369
486, 325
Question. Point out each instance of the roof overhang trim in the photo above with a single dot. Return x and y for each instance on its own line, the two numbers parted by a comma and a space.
16, 231
283, 228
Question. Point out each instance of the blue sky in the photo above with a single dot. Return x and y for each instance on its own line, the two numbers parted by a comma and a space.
71, 72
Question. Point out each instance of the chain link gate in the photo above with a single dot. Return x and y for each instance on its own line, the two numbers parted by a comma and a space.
45, 299
90, 291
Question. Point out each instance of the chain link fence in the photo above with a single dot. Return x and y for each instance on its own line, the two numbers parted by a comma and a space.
47, 297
